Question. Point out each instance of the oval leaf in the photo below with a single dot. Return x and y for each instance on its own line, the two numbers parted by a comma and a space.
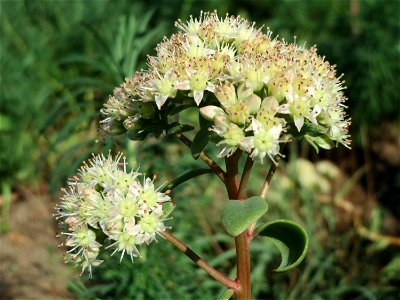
290, 239
238, 215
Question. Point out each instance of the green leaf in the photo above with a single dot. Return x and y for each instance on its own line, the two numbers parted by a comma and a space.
226, 295
178, 128
204, 123
202, 137
238, 215
185, 177
199, 142
290, 239
178, 108
319, 142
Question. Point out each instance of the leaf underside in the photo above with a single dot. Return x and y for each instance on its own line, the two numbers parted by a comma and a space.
290, 239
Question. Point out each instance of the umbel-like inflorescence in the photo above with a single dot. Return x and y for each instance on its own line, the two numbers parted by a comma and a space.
107, 207
256, 90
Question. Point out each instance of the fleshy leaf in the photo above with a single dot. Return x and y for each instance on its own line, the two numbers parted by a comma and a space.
290, 239
238, 215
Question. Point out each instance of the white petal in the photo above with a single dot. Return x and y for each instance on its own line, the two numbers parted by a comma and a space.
210, 87
283, 109
160, 100
299, 122
183, 85
198, 96
276, 131
256, 125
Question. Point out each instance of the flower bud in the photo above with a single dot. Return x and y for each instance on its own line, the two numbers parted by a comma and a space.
209, 112
253, 103
244, 91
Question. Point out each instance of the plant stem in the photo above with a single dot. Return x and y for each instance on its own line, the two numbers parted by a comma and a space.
242, 241
243, 266
231, 179
204, 157
229, 283
245, 178
271, 172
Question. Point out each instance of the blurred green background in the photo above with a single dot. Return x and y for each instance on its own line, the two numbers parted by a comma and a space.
59, 61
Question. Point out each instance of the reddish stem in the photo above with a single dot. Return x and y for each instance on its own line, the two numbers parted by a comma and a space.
242, 241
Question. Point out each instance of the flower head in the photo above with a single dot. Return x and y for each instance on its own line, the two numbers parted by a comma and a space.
238, 76
106, 200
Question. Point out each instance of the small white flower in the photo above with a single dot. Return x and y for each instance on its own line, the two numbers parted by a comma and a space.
264, 141
197, 84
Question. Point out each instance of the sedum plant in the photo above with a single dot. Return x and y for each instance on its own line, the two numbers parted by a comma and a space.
253, 94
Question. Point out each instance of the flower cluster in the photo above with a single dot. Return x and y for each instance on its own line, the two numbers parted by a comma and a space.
254, 88
108, 207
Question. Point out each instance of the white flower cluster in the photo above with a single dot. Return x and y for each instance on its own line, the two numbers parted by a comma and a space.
107, 207
253, 87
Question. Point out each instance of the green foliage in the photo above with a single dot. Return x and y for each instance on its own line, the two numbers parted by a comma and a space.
145, 279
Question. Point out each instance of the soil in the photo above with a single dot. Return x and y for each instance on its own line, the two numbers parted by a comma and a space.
31, 265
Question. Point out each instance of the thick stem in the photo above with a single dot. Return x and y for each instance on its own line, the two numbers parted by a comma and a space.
231, 176
242, 241
204, 157
243, 266
229, 283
